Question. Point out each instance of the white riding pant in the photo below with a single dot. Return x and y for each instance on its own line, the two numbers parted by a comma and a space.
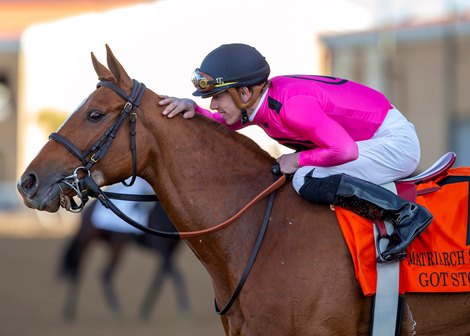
392, 153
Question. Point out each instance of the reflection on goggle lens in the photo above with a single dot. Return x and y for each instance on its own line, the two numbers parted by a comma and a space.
202, 81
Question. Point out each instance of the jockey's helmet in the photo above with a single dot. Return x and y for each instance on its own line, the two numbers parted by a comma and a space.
230, 65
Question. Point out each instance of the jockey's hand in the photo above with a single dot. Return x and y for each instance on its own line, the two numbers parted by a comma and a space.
175, 106
289, 163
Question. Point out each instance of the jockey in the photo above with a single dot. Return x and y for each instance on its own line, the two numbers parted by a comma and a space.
348, 138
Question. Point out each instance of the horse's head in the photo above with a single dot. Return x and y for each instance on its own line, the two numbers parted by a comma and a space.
82, 145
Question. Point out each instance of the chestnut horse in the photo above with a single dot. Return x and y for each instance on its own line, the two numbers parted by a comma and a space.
302, 281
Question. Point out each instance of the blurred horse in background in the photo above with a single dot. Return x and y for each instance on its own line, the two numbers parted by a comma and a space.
99, 224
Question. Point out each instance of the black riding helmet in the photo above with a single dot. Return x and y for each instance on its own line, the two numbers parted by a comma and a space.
230, 65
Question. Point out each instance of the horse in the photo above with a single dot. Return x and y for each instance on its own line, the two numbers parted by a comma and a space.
72, 258
302, 280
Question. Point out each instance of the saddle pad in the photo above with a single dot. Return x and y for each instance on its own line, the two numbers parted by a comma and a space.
439, 259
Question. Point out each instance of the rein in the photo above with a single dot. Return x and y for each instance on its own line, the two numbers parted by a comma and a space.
83, 185
105, 200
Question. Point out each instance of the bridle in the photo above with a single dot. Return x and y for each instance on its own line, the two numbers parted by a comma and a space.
84, 185
99, 149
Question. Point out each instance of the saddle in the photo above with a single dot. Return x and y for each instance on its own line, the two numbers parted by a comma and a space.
407, 188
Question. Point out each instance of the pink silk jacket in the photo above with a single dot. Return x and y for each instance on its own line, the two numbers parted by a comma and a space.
321, 117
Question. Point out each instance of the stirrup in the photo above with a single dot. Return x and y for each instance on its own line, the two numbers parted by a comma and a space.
399, 256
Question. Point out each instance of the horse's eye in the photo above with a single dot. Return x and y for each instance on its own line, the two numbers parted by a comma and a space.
95, 115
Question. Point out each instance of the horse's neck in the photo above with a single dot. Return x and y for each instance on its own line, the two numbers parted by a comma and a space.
200, 165
206, 173
203, 174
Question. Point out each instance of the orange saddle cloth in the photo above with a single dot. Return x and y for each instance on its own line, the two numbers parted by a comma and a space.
439, 259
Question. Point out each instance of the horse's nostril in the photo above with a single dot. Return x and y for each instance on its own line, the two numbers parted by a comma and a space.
29, 184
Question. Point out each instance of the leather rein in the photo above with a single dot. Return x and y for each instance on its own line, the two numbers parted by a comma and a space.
84, 185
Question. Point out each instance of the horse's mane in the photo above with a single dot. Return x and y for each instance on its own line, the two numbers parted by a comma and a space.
237, 137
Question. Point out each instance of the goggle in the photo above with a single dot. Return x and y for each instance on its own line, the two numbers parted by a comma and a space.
205, 83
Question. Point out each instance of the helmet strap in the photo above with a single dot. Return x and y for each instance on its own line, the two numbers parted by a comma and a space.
243, 106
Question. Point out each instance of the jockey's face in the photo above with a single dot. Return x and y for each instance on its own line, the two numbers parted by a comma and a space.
224, 104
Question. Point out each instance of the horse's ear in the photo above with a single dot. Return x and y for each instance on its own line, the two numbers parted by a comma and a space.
102, 72
117, 69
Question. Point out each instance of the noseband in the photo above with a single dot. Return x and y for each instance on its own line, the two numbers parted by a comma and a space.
99, 149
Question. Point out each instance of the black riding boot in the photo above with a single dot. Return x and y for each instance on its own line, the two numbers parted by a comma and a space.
374, 202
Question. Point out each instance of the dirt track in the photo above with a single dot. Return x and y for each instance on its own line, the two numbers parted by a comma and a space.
31, 297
